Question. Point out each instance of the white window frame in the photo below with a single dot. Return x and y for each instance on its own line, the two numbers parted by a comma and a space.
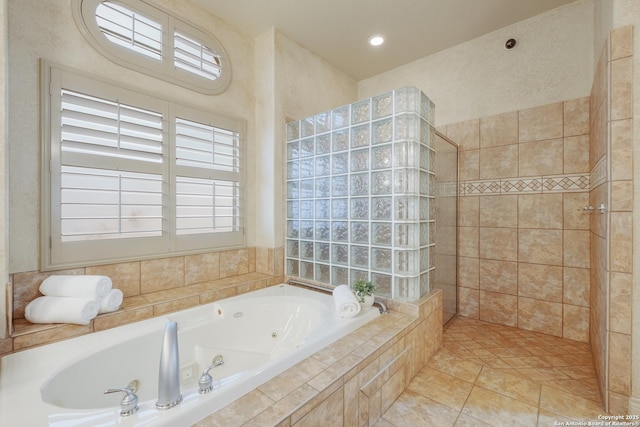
84, 12
56, 253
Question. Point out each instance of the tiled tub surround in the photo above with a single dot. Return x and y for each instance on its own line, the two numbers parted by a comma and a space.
151, 288
360, 182
353, 381
523, 236
56, 386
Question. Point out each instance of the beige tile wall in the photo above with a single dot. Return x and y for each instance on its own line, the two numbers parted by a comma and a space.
151, 288
524, 240
611, 275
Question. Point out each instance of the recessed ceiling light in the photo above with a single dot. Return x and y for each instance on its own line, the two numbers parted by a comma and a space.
376, 40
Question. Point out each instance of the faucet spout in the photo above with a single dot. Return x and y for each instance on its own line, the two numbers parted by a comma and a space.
169, 372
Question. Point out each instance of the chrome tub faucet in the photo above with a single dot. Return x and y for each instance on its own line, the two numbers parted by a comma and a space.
169, 372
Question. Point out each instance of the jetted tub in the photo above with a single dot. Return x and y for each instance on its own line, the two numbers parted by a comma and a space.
259, 335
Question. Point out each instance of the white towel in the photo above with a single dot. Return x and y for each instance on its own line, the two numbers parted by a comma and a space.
61, 310
347, 304
111, 301
78, 286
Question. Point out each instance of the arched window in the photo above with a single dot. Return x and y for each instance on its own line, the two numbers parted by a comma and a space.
144, 38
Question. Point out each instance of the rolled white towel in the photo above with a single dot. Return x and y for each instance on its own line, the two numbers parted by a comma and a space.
77, 286
347, 304
61, 310
111, 301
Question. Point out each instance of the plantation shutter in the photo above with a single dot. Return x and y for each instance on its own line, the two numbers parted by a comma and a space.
208, 177
130, 29
194, 57
121, 195
134, 176
139, 36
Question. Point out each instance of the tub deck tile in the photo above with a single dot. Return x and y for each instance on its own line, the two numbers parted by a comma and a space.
334, 372
49, 335
169, 295
119, 318
218, 294
279, 412
336, 351
239, 411
294, 377
175, 305
137, 307
311, 404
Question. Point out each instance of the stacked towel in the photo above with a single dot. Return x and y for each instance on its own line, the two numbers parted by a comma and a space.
73, 299
111, 301
61, 310
93, 287
346, 303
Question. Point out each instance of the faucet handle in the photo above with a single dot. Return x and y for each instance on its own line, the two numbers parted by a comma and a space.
129, 403
205, 382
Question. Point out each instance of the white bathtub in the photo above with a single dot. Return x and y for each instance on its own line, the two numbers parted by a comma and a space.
259, 334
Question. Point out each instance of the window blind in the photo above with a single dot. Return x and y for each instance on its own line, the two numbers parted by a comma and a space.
194, 57
206, 205
103, 204
142, 37
132, 175
208, 181
108, 202
205, 146
129, 29
101, 127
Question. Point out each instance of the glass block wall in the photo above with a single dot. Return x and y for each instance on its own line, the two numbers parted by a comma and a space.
359, 194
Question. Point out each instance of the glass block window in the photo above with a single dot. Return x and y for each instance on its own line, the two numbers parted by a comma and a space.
359, 201
133, 175
145, 38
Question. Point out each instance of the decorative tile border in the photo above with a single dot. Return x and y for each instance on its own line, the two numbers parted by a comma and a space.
522, 185
476, 188
565, 183
527, 185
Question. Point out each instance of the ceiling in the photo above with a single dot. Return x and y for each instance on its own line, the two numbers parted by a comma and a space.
338, 30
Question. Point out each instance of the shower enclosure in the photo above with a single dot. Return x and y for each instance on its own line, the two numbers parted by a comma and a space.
361, 190
446, 200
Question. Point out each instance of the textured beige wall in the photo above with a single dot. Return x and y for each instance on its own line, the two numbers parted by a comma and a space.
47, 30
307, 84
264, 162
553, 62
291, 83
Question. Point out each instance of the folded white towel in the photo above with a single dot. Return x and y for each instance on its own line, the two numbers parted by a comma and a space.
347, 304
78, 286
61, 310
111, 301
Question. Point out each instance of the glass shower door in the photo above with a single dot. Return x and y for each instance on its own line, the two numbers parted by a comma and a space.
446, 201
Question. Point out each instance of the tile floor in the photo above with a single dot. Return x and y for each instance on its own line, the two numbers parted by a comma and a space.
492, 375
